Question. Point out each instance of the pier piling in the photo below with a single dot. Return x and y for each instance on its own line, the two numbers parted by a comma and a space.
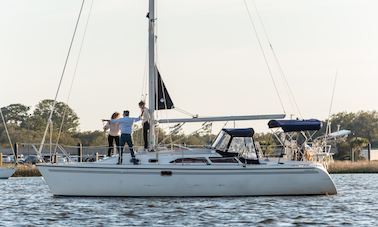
80, 152
15, 148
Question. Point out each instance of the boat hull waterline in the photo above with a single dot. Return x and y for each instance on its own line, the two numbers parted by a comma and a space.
5, 173
166, 181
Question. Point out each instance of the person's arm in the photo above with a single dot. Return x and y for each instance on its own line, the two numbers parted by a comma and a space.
116, 121
107, 127
135, 119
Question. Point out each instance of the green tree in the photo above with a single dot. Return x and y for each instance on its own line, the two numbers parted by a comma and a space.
357, 143
363, 124
42, 112
268, 143
16, 114
89, 138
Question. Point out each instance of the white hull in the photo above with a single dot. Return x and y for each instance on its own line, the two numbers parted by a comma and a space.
195, 180
5, 173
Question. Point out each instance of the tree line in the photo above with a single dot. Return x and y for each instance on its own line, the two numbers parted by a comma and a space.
362, 124
364, 127
27, 126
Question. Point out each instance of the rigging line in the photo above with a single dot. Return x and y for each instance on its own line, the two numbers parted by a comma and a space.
280, 68
143, 95
7, 133
183, 137
144, 83
185, 112
264, 55
331, 104
333, 94
61, 79
74, 75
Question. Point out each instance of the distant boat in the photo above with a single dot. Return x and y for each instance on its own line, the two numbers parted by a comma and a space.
231, 167
5, 173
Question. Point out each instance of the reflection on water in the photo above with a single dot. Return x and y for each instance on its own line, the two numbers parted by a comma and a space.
27, 201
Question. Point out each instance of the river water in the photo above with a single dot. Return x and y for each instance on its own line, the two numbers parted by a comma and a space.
27, 201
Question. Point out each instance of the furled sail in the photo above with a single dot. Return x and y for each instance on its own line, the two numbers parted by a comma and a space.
162, 97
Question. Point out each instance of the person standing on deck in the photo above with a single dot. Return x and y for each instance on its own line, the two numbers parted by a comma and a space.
145, 116
113, 134
126, 125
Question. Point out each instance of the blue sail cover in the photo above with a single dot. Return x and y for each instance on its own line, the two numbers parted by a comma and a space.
239, 132
296, 125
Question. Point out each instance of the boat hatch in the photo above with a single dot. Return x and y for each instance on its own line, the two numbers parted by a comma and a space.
223, 160
190, 160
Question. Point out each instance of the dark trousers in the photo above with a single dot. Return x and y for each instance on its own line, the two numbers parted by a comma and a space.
111, 141
126, 138
146, 128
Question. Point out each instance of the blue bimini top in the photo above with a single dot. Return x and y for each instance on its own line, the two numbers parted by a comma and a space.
296, 125
239, 132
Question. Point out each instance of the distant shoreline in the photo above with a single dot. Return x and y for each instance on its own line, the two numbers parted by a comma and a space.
339, 167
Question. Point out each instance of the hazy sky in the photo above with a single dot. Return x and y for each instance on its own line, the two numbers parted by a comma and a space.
207, 54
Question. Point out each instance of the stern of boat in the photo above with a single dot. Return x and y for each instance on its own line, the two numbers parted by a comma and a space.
5, 173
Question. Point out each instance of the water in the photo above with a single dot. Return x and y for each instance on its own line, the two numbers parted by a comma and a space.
27, 201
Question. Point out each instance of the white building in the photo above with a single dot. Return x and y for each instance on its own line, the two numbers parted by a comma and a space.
373, 154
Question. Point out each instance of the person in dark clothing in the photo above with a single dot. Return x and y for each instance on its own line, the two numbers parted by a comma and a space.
145, 116
113, 133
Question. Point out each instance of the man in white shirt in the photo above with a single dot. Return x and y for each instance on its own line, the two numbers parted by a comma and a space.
126, 126
145, 116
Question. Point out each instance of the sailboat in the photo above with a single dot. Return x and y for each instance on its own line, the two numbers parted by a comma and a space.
5, 173
232, 166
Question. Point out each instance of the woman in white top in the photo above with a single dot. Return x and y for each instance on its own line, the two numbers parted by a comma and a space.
113, 134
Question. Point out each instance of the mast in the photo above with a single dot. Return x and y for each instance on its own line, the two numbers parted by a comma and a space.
151, 73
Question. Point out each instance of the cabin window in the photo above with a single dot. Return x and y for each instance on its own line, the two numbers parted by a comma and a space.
190, 160
223, 160
243, 146
222, 141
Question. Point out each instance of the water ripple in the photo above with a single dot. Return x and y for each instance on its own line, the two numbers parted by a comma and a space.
28, 202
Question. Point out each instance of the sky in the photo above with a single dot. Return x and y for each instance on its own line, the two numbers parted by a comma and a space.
207, 54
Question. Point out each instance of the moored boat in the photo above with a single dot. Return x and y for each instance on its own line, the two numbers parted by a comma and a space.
5, 173
216, 171
231, 167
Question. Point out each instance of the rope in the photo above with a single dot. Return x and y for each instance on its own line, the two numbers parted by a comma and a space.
330, 108
185, 112
7, 132
283, 74
144, 83
333, 95
61, 79
264, 55
73, 77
